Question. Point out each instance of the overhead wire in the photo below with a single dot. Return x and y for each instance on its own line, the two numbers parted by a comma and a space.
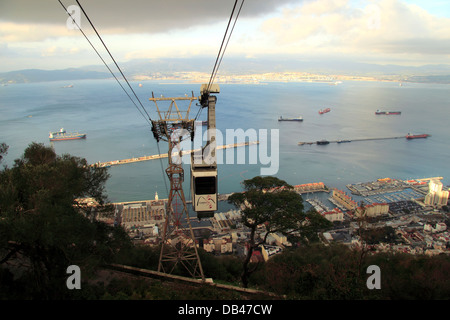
104, 62
221, 53
148, 118
106, 47
213, 74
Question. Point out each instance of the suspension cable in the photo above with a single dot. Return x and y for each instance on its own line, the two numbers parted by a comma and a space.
221, 53
228, 40
120, 70
104, 62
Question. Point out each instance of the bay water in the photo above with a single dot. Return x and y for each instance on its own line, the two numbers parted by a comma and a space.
117, 130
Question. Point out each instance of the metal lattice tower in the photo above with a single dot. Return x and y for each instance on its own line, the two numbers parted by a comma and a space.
178, 241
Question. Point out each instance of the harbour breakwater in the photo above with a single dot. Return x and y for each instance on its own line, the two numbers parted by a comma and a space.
165, 155
323, 142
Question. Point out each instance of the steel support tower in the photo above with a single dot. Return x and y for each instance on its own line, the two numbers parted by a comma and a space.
178, 241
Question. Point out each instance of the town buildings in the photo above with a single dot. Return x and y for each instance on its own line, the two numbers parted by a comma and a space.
419, 223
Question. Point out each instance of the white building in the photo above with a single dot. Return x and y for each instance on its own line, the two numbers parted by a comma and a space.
373, 210
436, 196
334, 215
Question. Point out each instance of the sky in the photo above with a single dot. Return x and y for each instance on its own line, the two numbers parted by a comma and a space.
36, 34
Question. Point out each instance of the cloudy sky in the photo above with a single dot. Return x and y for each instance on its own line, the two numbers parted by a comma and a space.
35, 33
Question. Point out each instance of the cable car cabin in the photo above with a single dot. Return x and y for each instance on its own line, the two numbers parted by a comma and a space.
204, 191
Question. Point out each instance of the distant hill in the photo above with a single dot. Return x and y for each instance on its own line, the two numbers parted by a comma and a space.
443, 79
236, 66
36, 75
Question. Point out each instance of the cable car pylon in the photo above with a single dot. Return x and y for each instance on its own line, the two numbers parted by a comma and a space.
178, 241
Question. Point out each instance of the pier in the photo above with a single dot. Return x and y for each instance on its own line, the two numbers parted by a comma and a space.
165, 155
323, 142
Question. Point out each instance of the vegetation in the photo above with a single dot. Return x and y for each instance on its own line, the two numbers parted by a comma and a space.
43, 230
271, 202
319, 272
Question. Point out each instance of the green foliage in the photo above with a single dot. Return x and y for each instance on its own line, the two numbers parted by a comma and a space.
42, 228
406, 277
145, 257
270, 201
3, 150
225, 268
378, 235
332, 272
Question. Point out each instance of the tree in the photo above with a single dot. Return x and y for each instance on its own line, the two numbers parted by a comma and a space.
270, 202
362, 221
43, 229
3, 150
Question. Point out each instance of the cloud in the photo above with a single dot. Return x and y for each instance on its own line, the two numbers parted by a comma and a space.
133, 16
18, 32
59, 51
377, 28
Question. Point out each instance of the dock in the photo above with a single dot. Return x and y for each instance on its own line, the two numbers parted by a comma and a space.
323, 142
165, 155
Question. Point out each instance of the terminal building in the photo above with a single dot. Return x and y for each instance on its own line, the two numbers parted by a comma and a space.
141, 213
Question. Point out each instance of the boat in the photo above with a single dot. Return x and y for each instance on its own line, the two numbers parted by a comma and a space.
62, 135
416, 136
322, 111
343, 141
323, 142
290, 119
387, 112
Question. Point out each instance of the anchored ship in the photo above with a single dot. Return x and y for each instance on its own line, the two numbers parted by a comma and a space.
322, 111
323, 142
416, 136
290, 119
387, 112
62, 135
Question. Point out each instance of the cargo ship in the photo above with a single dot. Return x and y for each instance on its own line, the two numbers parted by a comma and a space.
322, 111
387, 112
416, 136
62, 135
323, 142
290, 119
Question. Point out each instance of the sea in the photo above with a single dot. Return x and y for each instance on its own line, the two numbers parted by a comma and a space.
116, 130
